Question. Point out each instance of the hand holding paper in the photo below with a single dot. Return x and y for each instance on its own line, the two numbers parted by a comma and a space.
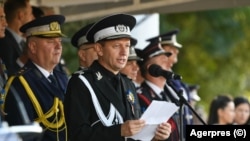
157, 113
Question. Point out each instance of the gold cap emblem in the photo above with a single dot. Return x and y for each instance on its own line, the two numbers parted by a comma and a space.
54, 26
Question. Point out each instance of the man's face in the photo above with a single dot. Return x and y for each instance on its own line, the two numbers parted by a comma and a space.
131, 69
46, 52
114, 54
87, 54
173, 59
27, 14
3, 22
161, 60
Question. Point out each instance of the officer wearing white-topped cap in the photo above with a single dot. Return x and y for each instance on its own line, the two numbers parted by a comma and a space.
131, 68
40, 86
101, 104
170, 44
86, 52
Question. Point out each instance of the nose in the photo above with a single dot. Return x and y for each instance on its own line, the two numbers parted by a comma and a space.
124, 50
58, 42
4, 22
135, 66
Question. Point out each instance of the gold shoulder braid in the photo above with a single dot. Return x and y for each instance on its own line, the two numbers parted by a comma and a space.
58, 124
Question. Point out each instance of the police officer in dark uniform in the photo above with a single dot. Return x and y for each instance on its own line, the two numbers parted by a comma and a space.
169, 43
153, 87
131, 68
86, 52
101, 104
39, 85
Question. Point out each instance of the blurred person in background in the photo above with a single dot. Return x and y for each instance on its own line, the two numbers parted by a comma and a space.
169, 43
194, 98
131, 68
3, 71
222, 110
18, 13
242, 110
86, 51
152, 88
37, 12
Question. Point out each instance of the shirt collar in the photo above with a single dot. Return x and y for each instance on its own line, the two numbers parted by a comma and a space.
43, 71
17, 37
155, 88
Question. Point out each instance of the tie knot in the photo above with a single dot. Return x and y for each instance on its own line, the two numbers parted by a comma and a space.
52, 78
22, 44
163, 95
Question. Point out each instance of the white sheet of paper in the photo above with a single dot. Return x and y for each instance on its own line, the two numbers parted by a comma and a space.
157, 113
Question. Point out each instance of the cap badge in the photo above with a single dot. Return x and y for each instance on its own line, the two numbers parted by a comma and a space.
54, 26
121, 28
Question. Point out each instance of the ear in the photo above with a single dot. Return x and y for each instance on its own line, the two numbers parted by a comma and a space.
32, 46
220, 112
81, 54
20, 14
99, 49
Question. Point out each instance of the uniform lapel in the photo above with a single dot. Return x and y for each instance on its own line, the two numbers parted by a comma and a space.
108, 91
52, 89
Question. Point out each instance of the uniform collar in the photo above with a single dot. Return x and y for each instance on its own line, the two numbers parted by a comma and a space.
155, 88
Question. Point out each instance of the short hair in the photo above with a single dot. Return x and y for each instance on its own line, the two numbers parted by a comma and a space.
12, 6
2, 3
240, 100
37, 12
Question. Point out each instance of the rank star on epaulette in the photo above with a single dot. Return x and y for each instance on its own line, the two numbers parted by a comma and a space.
99, 75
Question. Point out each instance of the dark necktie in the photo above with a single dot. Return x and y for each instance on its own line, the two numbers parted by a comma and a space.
53, 80
117, 86
22, 44
163, 95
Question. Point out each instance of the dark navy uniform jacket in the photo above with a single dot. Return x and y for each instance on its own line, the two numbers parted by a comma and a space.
81, 117
44, 91
10, 51
146, 95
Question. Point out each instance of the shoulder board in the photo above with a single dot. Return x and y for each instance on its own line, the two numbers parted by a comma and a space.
81, 71
22, 71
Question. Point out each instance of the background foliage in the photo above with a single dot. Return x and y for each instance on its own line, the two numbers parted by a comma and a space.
215, 51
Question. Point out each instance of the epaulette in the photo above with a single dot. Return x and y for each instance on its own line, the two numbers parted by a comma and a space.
81, 71
22, 71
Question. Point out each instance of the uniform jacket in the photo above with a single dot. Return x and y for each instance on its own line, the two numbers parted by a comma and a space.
44, 92
10, 51
146, 95
81, 117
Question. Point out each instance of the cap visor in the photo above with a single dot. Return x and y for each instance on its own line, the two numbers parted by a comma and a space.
134, 58
51, 35
117, 37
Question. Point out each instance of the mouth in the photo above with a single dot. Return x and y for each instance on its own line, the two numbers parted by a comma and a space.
122, 60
